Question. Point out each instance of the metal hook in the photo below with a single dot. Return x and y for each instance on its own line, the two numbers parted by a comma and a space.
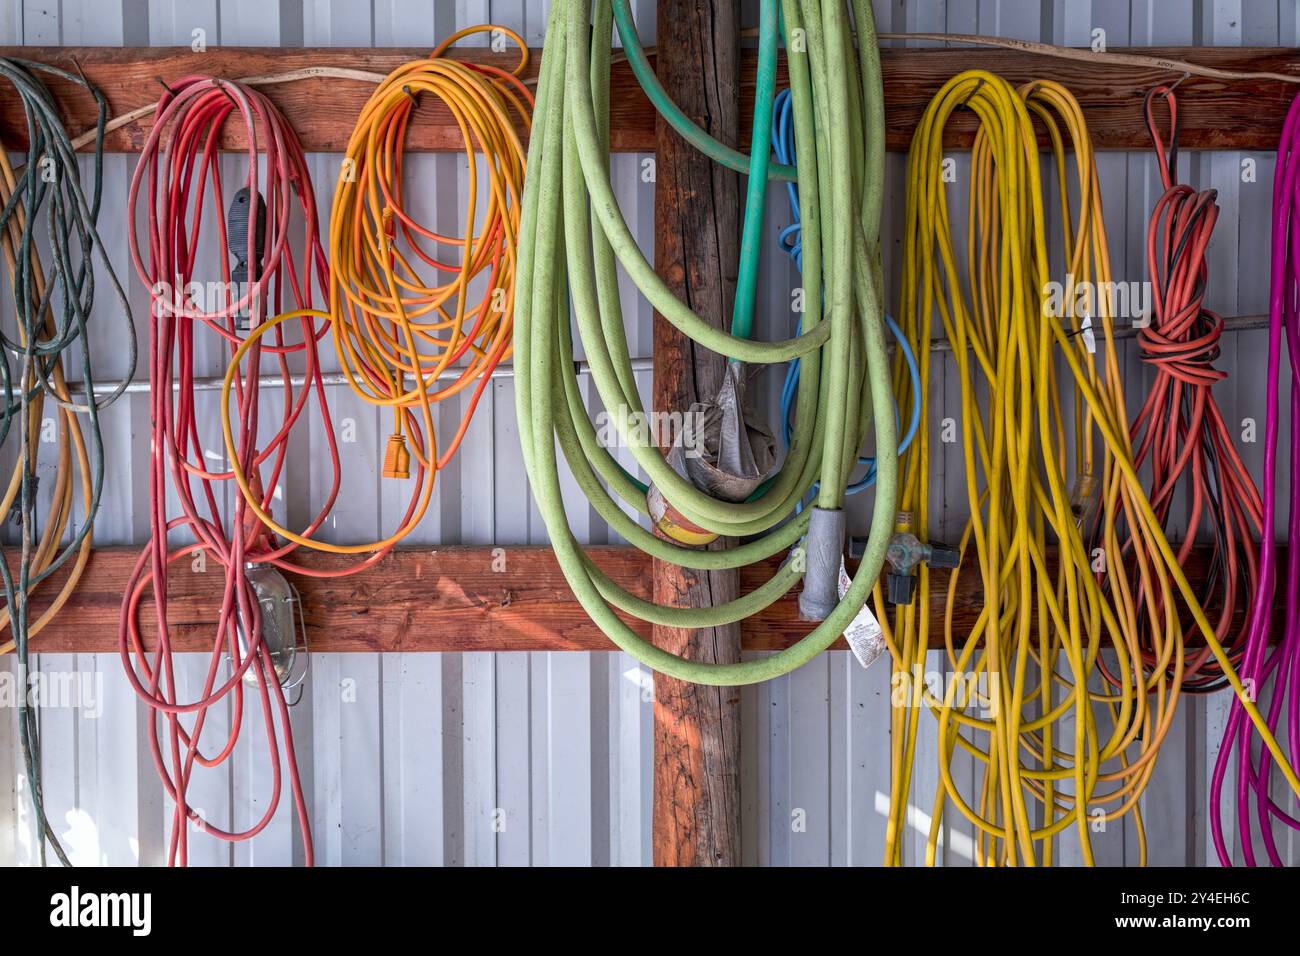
222, 87
292, 681
979, 83
1178, 82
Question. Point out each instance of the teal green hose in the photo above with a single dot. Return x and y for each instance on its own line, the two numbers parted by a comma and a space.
573, 241
670, 111
760, 152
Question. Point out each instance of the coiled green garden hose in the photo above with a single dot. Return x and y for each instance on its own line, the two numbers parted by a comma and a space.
573, 239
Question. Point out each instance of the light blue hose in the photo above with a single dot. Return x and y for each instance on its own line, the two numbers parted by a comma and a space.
791, 242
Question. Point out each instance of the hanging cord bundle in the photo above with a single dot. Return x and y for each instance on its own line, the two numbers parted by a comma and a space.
259, 625
1052, 752
51, 312
572, 239
1180, 430
378, 345
1273, 670
376, 295
791, 241
392, 324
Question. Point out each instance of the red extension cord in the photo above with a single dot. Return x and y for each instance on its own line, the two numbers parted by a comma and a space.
179, 175
1180, 430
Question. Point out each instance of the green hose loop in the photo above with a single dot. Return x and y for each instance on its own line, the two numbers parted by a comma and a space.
686, 127
742, 315
573, 240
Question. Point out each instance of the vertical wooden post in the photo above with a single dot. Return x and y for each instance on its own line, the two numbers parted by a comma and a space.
697, 252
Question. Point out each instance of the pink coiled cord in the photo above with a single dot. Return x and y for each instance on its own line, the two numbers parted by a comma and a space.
1279, 663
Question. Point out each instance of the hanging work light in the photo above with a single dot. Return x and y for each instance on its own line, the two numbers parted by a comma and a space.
282, 624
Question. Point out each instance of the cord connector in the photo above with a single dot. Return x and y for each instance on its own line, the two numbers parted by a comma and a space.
245, 220
905, 553
397, 458
257, 536
1085, 496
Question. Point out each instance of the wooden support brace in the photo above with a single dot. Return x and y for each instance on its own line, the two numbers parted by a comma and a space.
453, 600
1212, 113
696, 815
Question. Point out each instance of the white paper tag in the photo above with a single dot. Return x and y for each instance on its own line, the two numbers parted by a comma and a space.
864, 635
1089, 337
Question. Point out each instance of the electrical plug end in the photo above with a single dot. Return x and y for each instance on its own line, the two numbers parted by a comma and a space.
900, 589
943, 556
397, 458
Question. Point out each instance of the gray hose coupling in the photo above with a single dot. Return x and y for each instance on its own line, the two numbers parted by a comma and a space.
824, 546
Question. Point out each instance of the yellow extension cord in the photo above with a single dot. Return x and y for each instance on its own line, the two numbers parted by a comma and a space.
1052, 744
71, 444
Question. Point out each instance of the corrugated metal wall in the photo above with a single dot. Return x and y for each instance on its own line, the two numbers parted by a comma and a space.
544, 758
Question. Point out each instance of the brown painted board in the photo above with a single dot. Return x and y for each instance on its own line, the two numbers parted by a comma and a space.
449, 599
1214, 114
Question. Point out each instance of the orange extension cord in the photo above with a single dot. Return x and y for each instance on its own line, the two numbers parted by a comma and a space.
377, 296
390, 323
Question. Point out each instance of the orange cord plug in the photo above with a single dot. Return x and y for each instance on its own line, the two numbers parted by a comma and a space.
397, 458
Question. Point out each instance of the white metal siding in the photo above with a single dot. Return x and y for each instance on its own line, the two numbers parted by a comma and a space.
414, 758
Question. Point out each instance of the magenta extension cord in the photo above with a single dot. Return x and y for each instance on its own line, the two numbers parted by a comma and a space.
1256, 809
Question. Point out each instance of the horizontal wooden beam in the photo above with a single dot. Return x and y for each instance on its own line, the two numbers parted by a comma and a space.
449, 599
1213, 114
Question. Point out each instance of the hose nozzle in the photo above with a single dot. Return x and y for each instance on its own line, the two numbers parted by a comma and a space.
825, 549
